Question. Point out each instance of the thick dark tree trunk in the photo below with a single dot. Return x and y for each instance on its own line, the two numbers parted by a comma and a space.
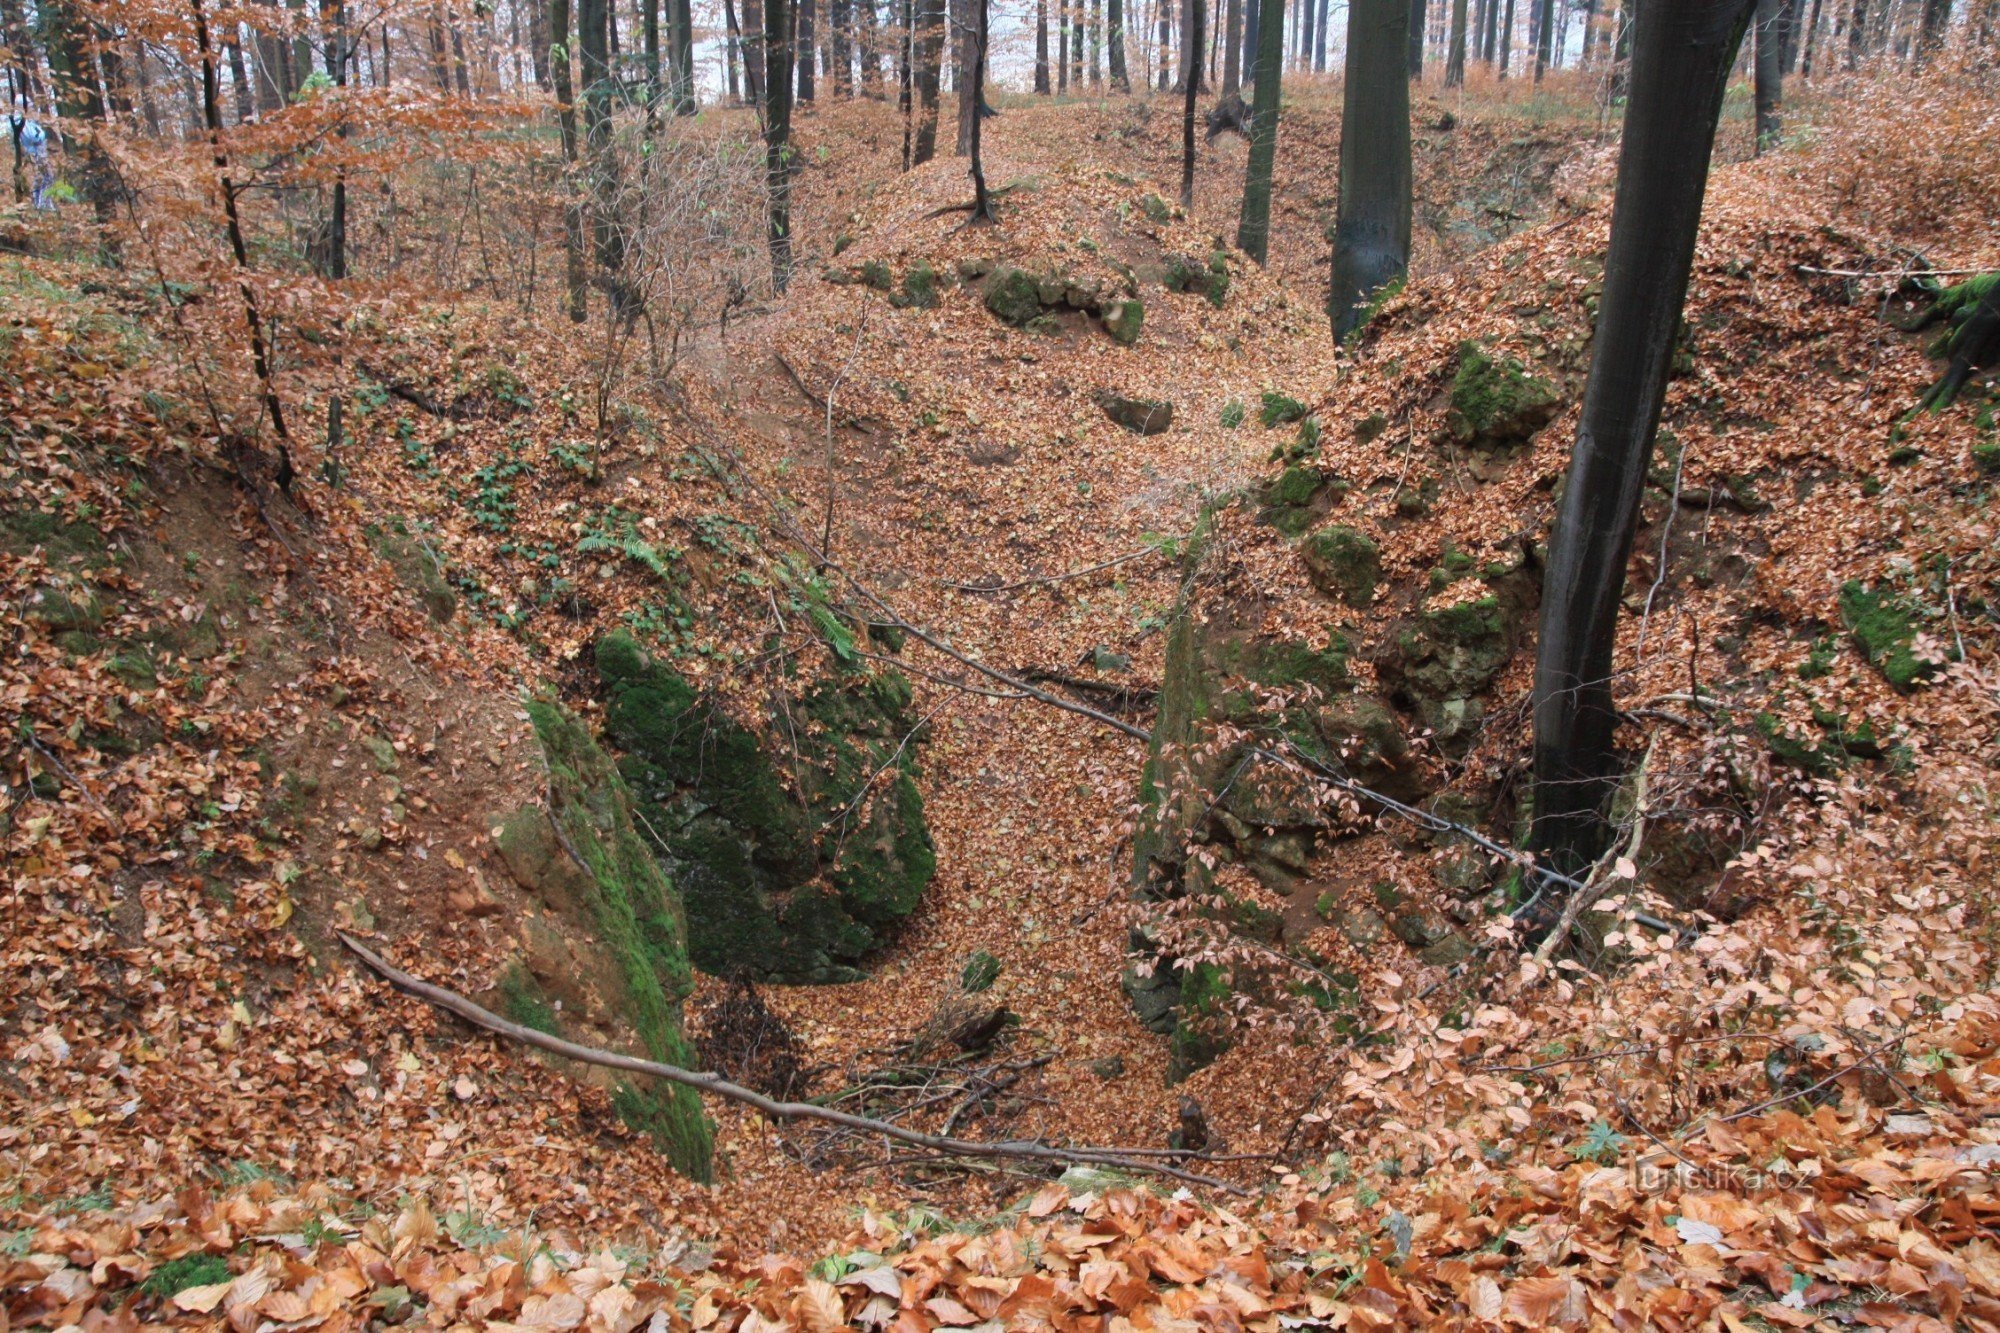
1251, 16
1545, 37
1454, 67
1371, 238
1419, 12
1253, 224
1857, 34
593, 47
1192, 44
1506, 35
1589, 31
66, 37
683, 56
1096, 43
1114, 21
929, 51
1319, 37
1769, 71
538, 43
778, 37
649, 41
1682, 54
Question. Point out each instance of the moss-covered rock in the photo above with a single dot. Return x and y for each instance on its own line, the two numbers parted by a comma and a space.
1343, 563
794, 866
635, 911
1204, 990
875, 273
1123, 318
920, 285
1884, 627
1495, 402
1365, 737
1012, 296
1448, 656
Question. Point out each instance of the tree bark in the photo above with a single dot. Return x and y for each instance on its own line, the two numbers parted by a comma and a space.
778, 55
732, 48
1506, 36
871, 49
1371, 238
1454, 68
965, 34
1419, 13
1769, 72
753, 50
1545, 38
840, 14
1936, 22
682, 56
1114, 20
1232, 49
1042, 47
929, 51
1253, 224
577, 287
1319, 37
982, 202
1681, 58
1192, 43
802, 49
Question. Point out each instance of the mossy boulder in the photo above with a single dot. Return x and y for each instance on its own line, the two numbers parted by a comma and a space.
1494, 402
1365, 737
1197, 1041
1012, 295
1343, 563
1884, 627
1209, 279
1123, 318
796, 856
1446, 658
631, 904
418, 566
920, 286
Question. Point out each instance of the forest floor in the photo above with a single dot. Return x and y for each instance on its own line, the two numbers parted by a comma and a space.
248, 721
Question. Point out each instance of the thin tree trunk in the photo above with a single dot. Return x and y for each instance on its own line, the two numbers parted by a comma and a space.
778, 55
649, 39
1042, 47
1589, 30
965, 30
1096, 25
1936, 22
1163, 43
1545, 38
576, 288
239, 79
260, 349
1682, 55
841, 68
1192, 42
682, 56
1419, 15
1114, 22
1857, 34
1253, 225
803, 47
982, 202
1371, 238
732, 47
1506, 36
1062, 45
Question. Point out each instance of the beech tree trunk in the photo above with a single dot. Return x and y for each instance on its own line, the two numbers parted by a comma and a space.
1042, 47
1681, 58
1251, 18
573, 271
802, 48
1114, 20
778, 55
1454, 68
1545, 37
753, 50
1232, 49
1192, 43
1371, 237
1769, 72
1419, 13
929, 51
683, 56
982, 202
1253, 224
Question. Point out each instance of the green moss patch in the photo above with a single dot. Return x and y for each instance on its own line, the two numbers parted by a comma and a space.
637, 915
1495, 402
796, 856
1884, 627
1344, 563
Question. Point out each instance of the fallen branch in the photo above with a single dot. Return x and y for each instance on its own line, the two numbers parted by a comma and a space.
714, 1084
1036, 579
